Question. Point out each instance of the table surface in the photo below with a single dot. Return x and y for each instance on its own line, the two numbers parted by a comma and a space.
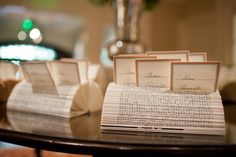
83, 135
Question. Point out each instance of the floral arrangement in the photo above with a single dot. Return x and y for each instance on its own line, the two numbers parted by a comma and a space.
148, 4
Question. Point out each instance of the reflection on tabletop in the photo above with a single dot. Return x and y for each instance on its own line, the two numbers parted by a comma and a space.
87, 127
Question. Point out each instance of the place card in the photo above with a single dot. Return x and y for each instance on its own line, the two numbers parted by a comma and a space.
198, 57
182, 55
154, 73
124, 69
8, 70
194, 77
65, 73
83, 67
40, 77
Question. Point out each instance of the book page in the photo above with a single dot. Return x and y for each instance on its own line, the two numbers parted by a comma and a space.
24, 99
153, 109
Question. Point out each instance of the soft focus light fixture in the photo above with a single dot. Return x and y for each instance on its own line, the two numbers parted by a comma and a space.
35, 33
27, 52
27, 24
22, 35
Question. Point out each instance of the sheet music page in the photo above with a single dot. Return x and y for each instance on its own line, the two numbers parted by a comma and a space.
158, 110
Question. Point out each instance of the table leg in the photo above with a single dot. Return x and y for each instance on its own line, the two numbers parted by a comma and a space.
38, 152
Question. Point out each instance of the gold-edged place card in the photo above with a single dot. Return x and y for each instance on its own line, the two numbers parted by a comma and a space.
198, 57
154, 72
124, 68
194, 77
182, 55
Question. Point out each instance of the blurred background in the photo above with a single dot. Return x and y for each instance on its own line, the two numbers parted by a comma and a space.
79, 28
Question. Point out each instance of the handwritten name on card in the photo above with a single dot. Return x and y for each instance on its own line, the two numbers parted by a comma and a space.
198, 57
124, 69
182, 55
65, 73
40, 77
154, 73
194, 77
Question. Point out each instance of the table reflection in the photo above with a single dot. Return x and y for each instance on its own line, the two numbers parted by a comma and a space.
87, 127
83, 127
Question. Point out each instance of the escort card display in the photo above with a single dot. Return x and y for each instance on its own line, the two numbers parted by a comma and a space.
55, 88
168, 95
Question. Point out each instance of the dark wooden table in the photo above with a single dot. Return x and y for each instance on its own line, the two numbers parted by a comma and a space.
82, 135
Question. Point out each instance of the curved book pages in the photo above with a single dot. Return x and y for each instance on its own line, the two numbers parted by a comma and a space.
69, 101
155, 109
81, 126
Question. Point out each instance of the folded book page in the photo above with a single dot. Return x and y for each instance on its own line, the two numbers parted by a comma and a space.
154, 109
53, 90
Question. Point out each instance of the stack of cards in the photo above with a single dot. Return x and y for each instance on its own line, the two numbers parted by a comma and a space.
174, 92
59, 88
180, 71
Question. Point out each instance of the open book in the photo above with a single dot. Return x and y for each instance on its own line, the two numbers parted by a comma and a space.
164, 95
59, 88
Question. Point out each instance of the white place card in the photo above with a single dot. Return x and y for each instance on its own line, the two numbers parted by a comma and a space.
7, 70
83, 67
182, 55
198, 57
124, 69
65, 73
40, 77
154, 73
194, 77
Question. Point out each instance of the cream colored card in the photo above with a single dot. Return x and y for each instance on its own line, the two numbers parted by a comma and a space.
182, 55
194, 77
154, 73
124, 69
7, 70
40, 77
65, 73
83, 68
197, 57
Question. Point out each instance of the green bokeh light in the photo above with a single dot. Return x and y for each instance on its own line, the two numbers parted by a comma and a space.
27, 24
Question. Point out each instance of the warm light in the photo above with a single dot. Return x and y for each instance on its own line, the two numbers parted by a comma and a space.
35, 34
22, 35
38, 40
119, 43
